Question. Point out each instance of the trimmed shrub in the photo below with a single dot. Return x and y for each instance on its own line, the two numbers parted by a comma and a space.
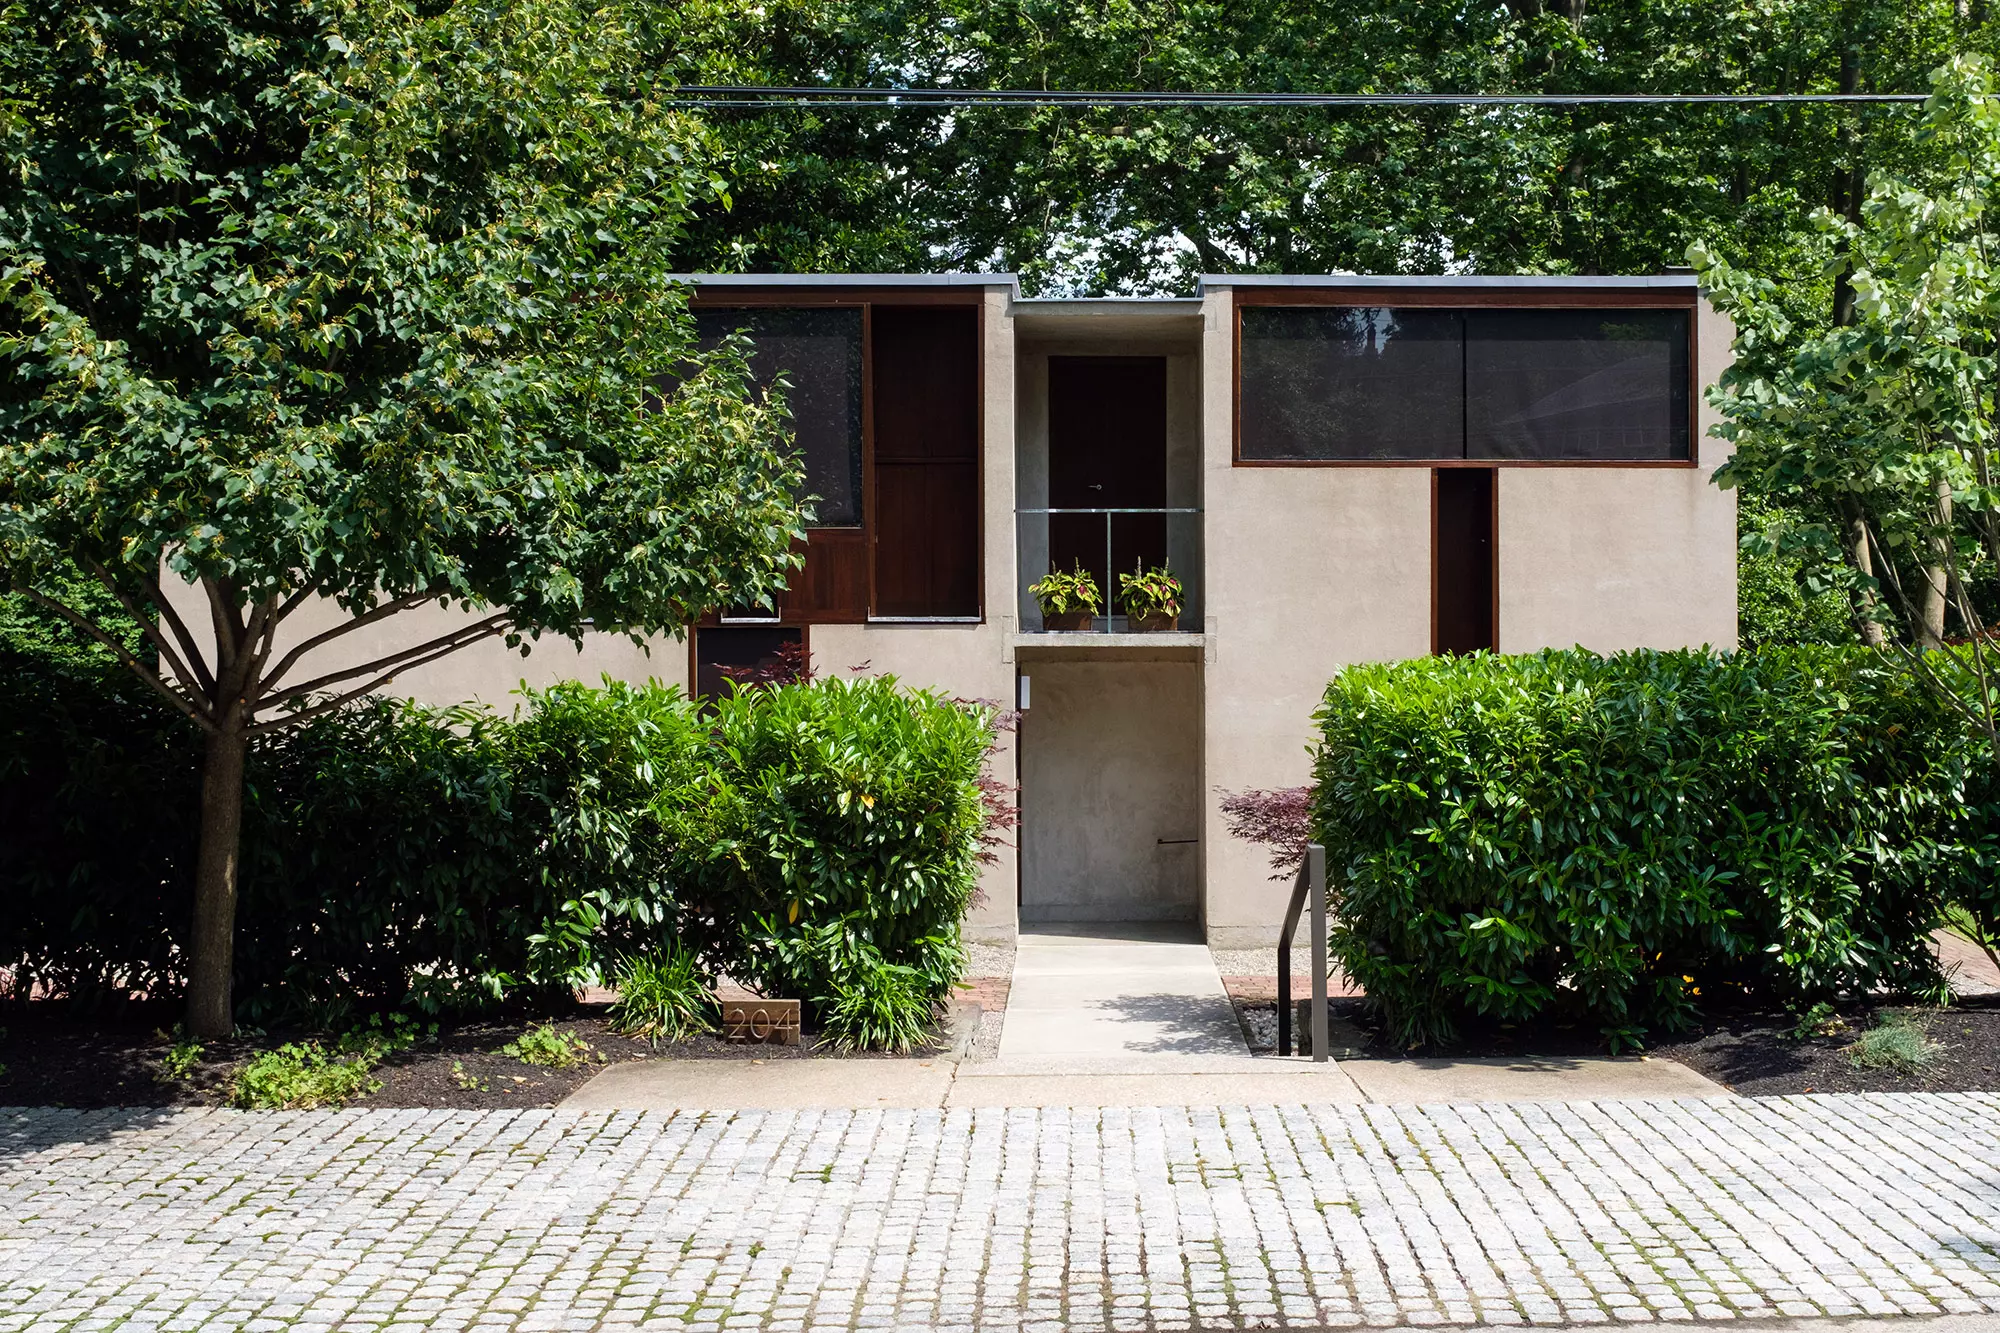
842, 833
804, 837
388, 861
1606, 836
98, 788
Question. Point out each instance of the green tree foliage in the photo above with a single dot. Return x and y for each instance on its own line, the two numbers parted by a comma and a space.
363, 301
1878, 434
1134, 200
1777, 605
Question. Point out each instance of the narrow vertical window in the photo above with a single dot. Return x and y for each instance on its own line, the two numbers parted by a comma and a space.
925, 377
1463, 585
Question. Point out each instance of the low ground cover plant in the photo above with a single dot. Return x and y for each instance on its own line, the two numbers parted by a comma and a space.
181, 1059
1618, 839
1897, 1044
548, 1048
300, 1076
663, 997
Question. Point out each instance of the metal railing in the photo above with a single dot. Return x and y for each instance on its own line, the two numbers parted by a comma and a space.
1110, 585
1311, 883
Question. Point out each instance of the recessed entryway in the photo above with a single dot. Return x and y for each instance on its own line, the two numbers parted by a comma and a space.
1111, 791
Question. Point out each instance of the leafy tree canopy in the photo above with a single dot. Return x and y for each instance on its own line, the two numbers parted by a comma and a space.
1132, 200
1878, 434
364, 301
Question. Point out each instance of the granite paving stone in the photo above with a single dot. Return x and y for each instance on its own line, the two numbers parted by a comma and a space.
1119, 1219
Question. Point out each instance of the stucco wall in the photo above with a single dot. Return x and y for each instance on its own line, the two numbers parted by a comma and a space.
1308, 569
1622, 557
1111, 791
488, 672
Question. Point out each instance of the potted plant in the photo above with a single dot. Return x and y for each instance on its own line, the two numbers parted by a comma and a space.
1152, 598
1068, 600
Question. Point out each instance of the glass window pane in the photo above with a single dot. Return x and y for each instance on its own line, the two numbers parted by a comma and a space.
1341, 382
1576, 384
819, 351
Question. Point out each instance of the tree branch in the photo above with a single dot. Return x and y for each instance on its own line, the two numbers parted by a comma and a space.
228, 629
182, 633
197, 678
387, 609
396, 661
195, 711
293, 719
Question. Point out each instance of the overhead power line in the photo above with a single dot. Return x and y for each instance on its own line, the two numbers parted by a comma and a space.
742, 95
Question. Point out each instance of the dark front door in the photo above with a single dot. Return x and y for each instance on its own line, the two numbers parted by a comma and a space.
1107, 450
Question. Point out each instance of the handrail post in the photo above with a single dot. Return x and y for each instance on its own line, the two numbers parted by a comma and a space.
1285, 934
1107, 571
1316, 863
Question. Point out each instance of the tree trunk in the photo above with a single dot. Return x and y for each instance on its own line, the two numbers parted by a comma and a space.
1864, 563
211, 951
1849, 184
1935, 576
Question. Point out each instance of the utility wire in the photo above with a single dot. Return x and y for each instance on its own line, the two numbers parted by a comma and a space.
748, 96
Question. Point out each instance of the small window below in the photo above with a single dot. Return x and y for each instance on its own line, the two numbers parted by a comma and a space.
1576, 384
743, 653
1463, 590
818, 350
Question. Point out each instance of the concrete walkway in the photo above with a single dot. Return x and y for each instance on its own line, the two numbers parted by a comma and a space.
1000, 1221
1121, 1017
1127, 997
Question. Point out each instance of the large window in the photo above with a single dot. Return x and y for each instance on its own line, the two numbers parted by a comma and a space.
818, 350
896, 527
1386, 383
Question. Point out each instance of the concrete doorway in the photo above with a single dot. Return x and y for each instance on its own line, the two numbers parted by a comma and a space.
1111, 790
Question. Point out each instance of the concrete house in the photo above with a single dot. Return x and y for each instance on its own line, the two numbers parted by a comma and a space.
1341, 469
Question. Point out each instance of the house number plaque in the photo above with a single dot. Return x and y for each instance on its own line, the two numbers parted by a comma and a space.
752, 1019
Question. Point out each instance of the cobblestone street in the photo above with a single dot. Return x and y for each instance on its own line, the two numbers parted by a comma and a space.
1003, 1219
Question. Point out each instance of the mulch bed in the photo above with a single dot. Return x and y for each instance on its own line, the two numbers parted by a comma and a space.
52, 1058
1750, 1050
1757, 1054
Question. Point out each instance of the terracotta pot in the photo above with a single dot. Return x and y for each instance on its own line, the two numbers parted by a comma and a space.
1066, 620
1154, 623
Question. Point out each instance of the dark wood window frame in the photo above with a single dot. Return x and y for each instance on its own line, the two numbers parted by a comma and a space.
1468, 298
866, 299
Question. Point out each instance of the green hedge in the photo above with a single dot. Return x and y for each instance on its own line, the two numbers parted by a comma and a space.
1607, 838
820, 839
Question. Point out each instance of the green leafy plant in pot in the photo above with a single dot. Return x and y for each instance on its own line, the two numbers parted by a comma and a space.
1151, 597
1069, 600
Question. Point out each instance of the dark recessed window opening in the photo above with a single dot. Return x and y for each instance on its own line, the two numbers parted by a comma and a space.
1341, 382
1463, 589
818, 350
1576, 384
747, 652
1384, 383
